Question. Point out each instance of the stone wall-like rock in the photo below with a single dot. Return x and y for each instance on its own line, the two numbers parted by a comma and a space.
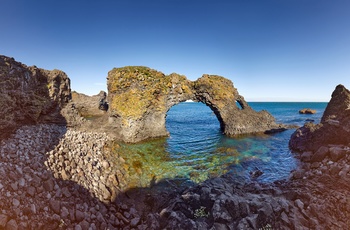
333, 129
88, 106
30, 95
140, 98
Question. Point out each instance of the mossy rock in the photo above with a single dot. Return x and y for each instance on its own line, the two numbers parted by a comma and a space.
140, 97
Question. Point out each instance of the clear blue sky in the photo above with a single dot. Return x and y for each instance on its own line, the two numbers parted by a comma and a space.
272, 50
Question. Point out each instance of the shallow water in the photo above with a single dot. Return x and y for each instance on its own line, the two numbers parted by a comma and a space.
197, 150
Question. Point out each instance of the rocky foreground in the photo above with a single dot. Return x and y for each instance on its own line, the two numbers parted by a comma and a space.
317, 196
34, 196
41, 188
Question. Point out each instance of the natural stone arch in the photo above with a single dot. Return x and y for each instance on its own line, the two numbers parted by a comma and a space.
140, 97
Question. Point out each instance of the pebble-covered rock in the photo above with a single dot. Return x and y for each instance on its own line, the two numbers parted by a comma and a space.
52, 177
35, 194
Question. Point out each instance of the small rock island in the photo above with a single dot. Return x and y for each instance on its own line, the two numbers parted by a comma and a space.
307, 111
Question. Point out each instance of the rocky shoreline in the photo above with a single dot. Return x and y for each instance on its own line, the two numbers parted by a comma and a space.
315, 197
34, 196
58, 170
42, 189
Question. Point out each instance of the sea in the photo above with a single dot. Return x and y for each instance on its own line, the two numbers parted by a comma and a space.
196, 149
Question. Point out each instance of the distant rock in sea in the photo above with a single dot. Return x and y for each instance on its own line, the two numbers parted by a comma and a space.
307, 111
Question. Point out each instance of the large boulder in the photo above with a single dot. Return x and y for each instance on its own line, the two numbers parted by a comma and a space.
333, 129
30, 95
89, 106
140, 97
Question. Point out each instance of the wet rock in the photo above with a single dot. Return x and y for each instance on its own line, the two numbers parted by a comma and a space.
256, 173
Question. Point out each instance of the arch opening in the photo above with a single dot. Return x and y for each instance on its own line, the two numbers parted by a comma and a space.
195, 134
192, 126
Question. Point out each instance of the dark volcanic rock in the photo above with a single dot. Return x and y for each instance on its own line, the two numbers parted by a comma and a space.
30, 95
333, 129
140, 98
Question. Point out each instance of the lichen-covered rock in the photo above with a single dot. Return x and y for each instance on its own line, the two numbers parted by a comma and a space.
30, 95
140, 97
333, 129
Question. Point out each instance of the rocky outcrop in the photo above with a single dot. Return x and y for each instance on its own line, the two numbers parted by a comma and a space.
140, 98
89, 106
307, 111
30, 95
333, 129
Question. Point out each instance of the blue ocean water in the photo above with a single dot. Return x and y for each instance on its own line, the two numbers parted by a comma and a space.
197, 150
196, 141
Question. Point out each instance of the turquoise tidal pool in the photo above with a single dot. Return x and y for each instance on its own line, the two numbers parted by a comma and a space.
196, 150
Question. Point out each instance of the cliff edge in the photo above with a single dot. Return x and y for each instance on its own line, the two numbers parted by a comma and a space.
30, 95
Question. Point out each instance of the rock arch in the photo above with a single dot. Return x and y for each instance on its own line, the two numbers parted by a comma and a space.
140, 97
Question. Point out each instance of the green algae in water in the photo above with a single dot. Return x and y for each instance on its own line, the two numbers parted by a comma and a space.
196, 150
149, 162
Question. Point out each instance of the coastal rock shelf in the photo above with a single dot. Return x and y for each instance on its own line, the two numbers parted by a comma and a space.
140, 98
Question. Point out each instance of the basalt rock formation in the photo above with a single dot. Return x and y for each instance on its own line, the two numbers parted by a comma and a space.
140, 97
88, 106
30, 95
333, 129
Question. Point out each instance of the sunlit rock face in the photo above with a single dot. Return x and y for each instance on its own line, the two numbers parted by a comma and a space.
140, 97
333, 129
30, 95
89, 106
